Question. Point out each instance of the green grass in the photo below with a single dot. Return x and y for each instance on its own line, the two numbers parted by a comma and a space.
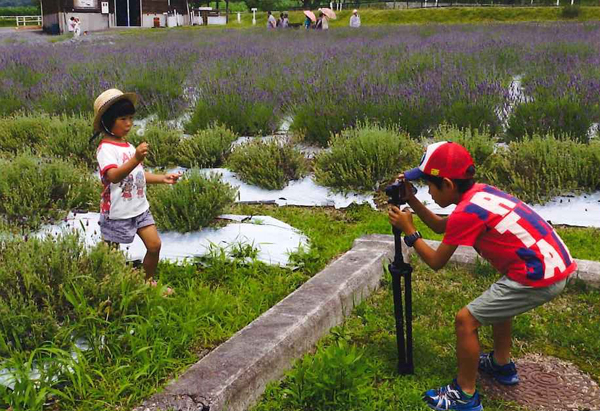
566, 328
8, 23
217, 297
60, 37
445, 15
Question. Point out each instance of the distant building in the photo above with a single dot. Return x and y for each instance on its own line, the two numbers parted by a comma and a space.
100, 15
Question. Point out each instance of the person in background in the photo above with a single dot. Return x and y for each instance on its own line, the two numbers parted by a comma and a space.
319, 22
324, 22
77, 29
355, 19
307, 23
271, 22
286, 21
71, 25
279, 23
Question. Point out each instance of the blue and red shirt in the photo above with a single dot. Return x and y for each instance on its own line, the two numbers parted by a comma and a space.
510, 235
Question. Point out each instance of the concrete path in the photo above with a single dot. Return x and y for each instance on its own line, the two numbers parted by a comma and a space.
233, 376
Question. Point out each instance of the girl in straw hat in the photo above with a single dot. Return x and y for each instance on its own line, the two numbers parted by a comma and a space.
124, 209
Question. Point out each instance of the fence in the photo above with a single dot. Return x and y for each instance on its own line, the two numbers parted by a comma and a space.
23, 21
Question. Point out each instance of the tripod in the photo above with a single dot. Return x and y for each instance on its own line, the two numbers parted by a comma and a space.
398, 268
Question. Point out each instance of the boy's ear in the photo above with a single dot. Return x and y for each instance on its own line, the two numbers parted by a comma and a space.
447, 183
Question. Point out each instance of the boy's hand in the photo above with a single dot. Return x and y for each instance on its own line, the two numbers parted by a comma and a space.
141, 152
171, 178
402, 220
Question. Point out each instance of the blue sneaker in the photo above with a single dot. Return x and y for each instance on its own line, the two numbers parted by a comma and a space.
504, 374
451, 397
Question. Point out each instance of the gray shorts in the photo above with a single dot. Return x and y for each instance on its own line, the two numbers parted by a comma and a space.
507, 298
124, 231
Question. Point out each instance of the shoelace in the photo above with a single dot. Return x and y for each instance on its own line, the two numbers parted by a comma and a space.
446, 396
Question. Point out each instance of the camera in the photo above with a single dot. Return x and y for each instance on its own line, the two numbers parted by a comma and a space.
397, 193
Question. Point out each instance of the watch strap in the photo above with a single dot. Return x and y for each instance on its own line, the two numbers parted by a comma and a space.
410, 240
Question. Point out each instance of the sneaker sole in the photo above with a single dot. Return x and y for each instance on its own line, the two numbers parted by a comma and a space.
506, 383
498, 380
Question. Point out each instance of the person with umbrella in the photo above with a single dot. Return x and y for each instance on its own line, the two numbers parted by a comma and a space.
310, 18
326, 15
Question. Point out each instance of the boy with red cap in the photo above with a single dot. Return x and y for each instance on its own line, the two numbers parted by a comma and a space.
522, 246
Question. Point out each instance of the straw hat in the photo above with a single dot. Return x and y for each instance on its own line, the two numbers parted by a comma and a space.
107, 99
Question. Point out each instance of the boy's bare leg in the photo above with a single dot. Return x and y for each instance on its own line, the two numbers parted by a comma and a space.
467, 349
149, 236
502, 333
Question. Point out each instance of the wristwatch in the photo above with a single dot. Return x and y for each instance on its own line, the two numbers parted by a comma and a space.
410, 240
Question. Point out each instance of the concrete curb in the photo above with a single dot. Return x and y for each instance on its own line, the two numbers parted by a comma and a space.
235, 374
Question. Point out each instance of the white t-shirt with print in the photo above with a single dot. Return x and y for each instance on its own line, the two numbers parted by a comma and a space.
127, 198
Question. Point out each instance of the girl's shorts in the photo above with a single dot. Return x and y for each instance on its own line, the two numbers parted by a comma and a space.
124, 231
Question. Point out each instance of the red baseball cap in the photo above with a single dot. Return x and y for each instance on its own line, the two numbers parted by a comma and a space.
443, 159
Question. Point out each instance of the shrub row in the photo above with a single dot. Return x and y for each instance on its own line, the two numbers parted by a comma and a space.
36, 190
61, 136
534, 169
45, 283
68, 138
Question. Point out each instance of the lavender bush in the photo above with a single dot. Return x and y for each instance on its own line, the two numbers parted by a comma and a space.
268, 164
36, 190
194, 202
365, 156
206, 148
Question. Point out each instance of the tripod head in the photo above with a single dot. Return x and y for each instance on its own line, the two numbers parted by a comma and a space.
396, 193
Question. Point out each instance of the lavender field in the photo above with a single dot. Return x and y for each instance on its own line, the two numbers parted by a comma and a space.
513, 80
96, 335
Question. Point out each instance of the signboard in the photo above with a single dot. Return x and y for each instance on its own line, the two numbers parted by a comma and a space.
104, 7
85, 4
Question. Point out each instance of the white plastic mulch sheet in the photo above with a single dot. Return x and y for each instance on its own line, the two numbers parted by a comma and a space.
581, 211
304, 192
273, 239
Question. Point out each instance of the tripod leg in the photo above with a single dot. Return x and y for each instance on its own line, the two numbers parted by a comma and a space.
399, 317
409, 340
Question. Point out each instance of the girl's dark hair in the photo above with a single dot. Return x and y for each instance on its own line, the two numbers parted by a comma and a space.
462, 185
119, 109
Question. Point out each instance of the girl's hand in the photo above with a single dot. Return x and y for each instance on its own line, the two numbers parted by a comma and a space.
171, 178
401, 219
141, 152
